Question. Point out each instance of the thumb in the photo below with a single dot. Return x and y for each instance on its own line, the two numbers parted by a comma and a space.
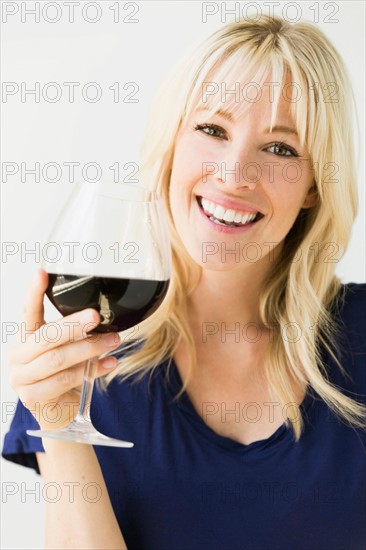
33, 310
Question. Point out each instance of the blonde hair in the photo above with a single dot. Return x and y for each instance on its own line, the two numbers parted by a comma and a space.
253, 49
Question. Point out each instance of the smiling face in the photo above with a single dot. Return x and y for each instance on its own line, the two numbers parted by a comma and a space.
227, 168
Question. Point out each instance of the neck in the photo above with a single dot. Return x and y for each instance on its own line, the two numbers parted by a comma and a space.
230, 296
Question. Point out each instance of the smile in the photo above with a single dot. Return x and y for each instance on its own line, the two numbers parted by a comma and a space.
227, 217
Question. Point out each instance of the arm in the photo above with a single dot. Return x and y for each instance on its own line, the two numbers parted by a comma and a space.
77, 522
46, 372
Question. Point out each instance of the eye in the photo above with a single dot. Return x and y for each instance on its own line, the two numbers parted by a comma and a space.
211, 130
289, 151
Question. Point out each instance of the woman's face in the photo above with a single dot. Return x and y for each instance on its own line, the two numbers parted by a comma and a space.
226, 169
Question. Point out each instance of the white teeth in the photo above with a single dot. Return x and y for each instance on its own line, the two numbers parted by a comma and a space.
246, 217
219, 212
216, 221
229, 215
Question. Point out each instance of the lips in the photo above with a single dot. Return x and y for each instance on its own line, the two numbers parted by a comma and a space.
225, 216
222, 228
228, 203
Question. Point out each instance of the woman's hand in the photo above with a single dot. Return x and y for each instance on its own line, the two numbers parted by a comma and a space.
47, 364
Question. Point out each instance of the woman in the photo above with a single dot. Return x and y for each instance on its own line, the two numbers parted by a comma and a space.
244, 394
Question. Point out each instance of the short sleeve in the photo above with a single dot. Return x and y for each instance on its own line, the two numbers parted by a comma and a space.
19, 447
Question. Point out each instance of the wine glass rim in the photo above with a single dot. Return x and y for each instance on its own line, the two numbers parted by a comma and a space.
109, 189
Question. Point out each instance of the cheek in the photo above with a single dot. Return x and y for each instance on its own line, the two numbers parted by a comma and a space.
287, 184
177, 188
191, 155
186, 173
179, 192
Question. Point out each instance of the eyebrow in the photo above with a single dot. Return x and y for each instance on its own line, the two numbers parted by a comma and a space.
221, 112
284, 129
280, 128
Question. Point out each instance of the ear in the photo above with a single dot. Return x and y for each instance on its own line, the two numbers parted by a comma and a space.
311, 198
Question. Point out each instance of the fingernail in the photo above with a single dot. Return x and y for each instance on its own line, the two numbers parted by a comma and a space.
112, 339
109, 362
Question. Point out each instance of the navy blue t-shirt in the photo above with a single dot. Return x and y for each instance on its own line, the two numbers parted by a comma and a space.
184, 487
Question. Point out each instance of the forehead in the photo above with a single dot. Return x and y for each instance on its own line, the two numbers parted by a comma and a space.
258, 99
233, 87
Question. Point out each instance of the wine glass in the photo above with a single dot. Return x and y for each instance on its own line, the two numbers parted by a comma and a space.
114, 256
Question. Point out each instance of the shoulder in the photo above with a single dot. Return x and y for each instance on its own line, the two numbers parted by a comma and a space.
349, 308
354, 299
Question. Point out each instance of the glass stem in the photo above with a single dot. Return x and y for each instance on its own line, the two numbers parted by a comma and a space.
86, 392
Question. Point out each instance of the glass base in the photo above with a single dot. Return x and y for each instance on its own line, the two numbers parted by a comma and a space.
81, 432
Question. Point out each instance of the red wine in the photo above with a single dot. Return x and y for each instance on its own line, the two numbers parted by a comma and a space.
122, 303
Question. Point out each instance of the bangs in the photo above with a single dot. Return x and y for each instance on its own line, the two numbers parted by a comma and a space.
237, 80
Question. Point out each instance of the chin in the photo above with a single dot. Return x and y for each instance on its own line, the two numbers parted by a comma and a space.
208, 255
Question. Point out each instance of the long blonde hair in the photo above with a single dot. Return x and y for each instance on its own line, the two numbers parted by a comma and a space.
323, 115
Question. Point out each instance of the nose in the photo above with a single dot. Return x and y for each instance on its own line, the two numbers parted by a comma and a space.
237, 170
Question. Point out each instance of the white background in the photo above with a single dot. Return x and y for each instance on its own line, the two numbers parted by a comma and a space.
106, 132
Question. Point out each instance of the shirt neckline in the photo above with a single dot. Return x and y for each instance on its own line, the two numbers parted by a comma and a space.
185, 407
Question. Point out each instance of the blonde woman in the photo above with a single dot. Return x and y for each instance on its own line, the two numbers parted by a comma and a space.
244, 393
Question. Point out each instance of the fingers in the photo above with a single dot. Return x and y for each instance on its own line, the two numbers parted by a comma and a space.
61, 358
55, 334
33, 309
58, 384
51, 388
